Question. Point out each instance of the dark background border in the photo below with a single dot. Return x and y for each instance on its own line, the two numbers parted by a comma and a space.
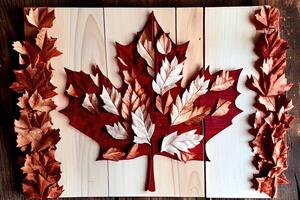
11, 29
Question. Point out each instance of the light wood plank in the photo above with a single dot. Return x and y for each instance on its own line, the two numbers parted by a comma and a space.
190, 28
229, 45
80, 35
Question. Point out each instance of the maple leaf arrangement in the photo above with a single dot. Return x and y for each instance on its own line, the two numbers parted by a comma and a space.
151, 113
271, 120
35, 135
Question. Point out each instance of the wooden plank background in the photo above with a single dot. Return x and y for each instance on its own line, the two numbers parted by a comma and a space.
11, 29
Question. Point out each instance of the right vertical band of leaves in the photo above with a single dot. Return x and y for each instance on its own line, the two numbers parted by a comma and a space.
271, 121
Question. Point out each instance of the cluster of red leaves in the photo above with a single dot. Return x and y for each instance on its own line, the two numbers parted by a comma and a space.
271, 120
35, 135
95, 103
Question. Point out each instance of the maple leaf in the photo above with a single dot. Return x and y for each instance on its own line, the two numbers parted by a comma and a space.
176, 144
182, 109
222, 82
112, 100
222, 108
142, 126
34, 79
42, 174
40, 17
113, 154
117, 131
267, 18
164, 44
140, 118
90, 102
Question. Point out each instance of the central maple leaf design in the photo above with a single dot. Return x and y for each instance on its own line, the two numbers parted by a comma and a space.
151, 114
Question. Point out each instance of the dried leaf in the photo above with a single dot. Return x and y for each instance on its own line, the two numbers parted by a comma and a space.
170, 74
175, 144
268, 102
221, 108
19, 48
40, 17
142, 126
267, 66
164, 107
37, 103
111, 99
268, 17
113, 154
164, 44
198, 114
222, 82
90, 102
71, 91
187, 156
117, 131
146, 51
182, 109
133, 152
278, 85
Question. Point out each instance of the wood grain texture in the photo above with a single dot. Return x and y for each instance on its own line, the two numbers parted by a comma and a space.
11, 21
83, 44
229, 36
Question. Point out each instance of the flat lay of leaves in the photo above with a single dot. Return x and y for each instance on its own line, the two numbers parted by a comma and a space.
271, 120
35, 135
151, 113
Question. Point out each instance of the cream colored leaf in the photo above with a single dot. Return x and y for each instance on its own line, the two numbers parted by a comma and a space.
267, 65
112, 100
268, 102
33, 17
117, 131
40, 38
71, 91
222, 82
146, 51
142, 126
176, 144
113, 154
221, 108
278, 85
95, 79
169, 75
90, 102
164, 44
183, 107
20, 48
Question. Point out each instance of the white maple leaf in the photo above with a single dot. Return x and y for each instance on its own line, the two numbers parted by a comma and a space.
142, 127
19, 47
176, 144
90, 102
112, 100
33, 17
169, 75
146, 51
164, 44
117, 131
222, 82
183, 107
267, 65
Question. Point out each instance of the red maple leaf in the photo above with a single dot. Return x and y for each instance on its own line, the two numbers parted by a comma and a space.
151, 114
